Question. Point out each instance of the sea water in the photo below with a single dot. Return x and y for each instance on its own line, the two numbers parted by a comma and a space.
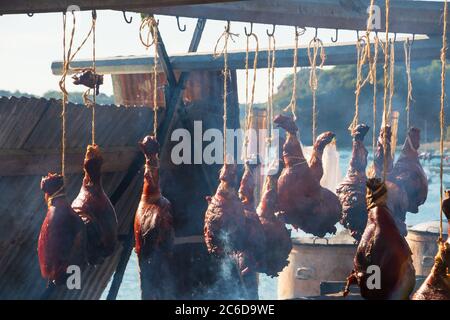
429, 211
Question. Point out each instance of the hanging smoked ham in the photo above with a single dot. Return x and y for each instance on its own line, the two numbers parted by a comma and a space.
278, 237
153, 230
252, 257
382, 247
437, 285
397, 200
62, 238
255, 238
352, 190
224, 219
95, 209
408, 173
301, 200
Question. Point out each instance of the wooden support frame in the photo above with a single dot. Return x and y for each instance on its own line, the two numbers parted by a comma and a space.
39, 6
337, 54
175, 90
419, 17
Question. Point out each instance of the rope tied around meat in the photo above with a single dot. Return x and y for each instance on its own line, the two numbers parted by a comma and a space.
57, 194
317, 46
293, 103
376, 193
152, 24
226, 35
442, 115
249, 103
271, 85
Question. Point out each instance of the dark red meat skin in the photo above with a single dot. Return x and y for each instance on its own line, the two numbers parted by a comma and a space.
301, 200
225, 218
255, 242
437, 285
397, 199
95, 209
153, 230
278, 237
352, 190
62, 238
252, 258
408, 173
383, 246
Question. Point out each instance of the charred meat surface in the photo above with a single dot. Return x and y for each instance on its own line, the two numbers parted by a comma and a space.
437, 284
301, 200
225, 218
62, 238
95, 209
153, 230
352, 190
382, 246
278, 237
408, 173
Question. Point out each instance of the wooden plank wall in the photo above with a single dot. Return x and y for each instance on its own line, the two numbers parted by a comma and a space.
28, 124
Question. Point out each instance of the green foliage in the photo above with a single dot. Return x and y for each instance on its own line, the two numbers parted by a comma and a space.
336, 100
74, 97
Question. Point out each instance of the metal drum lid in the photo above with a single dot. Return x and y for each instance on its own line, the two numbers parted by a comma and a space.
431, 227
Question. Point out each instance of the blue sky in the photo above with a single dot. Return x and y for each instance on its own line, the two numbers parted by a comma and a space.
29, 45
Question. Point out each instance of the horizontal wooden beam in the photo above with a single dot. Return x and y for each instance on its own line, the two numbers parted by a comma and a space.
41, 162
39, 6
406, 16
336, 54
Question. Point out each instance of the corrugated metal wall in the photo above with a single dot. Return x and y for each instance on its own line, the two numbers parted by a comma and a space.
35, 124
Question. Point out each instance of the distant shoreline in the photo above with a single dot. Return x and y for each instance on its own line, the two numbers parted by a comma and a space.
433, 146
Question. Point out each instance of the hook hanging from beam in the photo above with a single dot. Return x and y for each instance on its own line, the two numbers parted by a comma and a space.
178, 24
272, 33
413, 38
248, 34
336, 38
126, 19
30, 14
315, 35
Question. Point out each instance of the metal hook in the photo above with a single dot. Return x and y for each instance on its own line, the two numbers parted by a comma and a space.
315, 35
273, 31
30, 14
248, 34
94, 14
335, 39
413, 38
395, 36
125, 18
178, 24
357, 36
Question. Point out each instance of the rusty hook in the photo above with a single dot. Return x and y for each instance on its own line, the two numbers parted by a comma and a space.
126, 19
248, 34
273, 31
336, 38
178, 24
